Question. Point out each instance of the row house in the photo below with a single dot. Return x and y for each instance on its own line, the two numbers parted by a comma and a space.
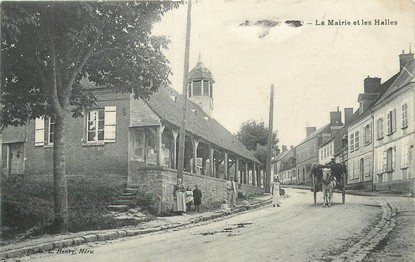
360, 134
394, 119
329, 149
381, 136
137, 140
285, 166
307, 151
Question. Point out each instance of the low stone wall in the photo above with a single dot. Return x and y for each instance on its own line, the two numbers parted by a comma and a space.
402, 186
159, 182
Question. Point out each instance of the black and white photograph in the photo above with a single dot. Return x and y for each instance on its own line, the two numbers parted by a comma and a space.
207, 130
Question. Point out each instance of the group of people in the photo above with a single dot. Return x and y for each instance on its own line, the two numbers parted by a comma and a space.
183, 198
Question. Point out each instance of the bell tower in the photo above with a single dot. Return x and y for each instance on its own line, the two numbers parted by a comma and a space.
200, 90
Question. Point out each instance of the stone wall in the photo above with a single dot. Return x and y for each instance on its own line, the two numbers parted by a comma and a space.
159, 182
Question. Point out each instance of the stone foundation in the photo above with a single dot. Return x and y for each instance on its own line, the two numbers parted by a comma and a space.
159, 182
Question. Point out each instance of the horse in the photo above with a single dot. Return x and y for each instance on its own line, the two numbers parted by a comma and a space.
336, 174
328, 184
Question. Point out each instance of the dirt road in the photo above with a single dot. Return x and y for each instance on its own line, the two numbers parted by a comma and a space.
296, 231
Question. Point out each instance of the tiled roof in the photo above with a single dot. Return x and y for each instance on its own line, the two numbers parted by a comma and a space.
200, 72
381, 90
197, 122
405, 76
314, 134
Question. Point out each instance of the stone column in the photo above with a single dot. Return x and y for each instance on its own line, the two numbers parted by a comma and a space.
254, 175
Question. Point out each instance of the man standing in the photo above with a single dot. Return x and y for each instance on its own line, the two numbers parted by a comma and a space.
231, 191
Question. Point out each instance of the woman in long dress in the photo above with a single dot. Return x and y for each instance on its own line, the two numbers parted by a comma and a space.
179, 197
276, 198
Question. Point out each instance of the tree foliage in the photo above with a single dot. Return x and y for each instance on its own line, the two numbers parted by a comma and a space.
253, 134
49, 48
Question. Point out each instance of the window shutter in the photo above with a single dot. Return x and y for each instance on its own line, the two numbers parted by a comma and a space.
385, 161
370, 133
39, 131
389, 122
110, 123
378, 128
393, 152
393, 120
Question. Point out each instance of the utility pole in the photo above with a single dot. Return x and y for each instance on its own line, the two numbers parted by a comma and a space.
182, 133
269, 155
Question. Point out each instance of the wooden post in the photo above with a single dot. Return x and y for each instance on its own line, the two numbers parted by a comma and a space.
195, 144
246, 175
211, 162
160, 130
269, 156
225, 164
238, 179
254, 175
175, 133
184, 92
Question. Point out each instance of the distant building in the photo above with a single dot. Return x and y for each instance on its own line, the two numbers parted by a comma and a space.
307, 154
285, 166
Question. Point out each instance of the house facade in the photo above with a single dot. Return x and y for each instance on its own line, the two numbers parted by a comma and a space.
286, 166
394, 116
136, 141
307, 152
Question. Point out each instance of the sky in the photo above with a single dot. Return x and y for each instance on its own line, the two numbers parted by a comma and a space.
315, 68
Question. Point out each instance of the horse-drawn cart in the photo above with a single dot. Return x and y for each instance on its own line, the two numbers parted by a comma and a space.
327, 178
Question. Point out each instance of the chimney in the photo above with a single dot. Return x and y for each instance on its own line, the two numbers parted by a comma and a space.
348, 115
336, 118
405, 58
370, 84
310, 129
284, 148
291, 147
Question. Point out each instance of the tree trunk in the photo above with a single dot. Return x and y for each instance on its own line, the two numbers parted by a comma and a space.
59, 175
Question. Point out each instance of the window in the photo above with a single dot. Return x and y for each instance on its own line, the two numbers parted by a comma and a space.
404, 115
367, 166
321, 155
39, 131
405, 155
211, 90
356, 140
189, 91
379, 128
391, 121
197, 88
51, 129
351, 142
368, 134
101, 124
388, 160
206, 88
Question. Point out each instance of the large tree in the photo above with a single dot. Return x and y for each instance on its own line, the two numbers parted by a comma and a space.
48, 47
254, 135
